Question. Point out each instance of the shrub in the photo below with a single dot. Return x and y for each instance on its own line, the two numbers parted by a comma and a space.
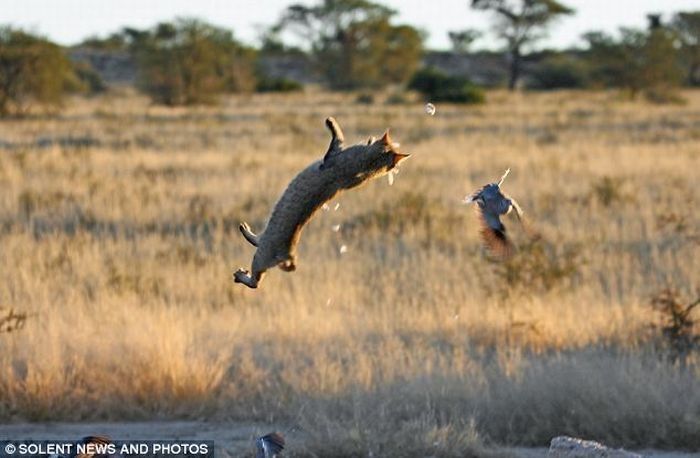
608, 190
90, 81
397, 98
365, 98
559, 72
11, 321
677, 324
32, 70
437, 86
278, 85
539, 267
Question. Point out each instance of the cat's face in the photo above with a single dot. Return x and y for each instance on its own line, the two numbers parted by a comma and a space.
384, 156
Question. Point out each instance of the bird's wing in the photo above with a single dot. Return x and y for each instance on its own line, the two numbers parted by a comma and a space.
259, 448
527, 226
493, 234
518, 211
469, 198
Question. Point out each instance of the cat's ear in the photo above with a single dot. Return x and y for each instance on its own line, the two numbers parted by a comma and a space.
371, 140
386, 139
398, 157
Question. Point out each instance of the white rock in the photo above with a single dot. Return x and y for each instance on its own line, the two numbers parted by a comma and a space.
570, 447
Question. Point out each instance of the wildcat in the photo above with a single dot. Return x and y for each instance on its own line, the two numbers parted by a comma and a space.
340, 169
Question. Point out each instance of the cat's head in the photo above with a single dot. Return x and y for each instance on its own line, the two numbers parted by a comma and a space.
380, 156
359, 163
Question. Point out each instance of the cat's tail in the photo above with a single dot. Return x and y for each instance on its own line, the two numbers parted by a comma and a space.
248, 234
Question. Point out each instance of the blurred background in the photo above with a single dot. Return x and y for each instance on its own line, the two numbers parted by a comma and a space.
135, 136
182, 54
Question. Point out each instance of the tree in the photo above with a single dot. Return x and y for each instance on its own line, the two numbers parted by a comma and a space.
519, 23
616, 63
32, 70
462, 40
353, 43
661, 69
190, 62
114, 42
687, 27
639, 61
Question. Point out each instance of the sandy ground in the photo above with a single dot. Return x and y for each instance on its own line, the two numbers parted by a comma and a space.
231, 439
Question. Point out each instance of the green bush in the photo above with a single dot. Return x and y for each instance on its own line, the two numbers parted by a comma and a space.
437, 86
559, 72
278, 85
32, 71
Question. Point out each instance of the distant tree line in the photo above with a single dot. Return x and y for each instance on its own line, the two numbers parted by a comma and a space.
354, 44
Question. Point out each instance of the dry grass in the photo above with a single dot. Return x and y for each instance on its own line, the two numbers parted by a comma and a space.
118, 237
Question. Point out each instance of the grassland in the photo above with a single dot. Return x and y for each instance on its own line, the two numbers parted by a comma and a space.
118, 237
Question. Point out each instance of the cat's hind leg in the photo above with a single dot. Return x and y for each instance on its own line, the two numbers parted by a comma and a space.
288, 265
248, 279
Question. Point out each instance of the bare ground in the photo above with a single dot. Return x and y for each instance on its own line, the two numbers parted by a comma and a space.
231, 438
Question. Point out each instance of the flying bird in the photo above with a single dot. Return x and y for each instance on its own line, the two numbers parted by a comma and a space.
269, 446
491, 204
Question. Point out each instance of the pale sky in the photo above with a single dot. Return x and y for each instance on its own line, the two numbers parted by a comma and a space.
70, 21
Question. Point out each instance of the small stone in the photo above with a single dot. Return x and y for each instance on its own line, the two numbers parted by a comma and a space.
570, 447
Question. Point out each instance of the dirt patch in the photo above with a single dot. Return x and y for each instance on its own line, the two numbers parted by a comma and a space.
232, 439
